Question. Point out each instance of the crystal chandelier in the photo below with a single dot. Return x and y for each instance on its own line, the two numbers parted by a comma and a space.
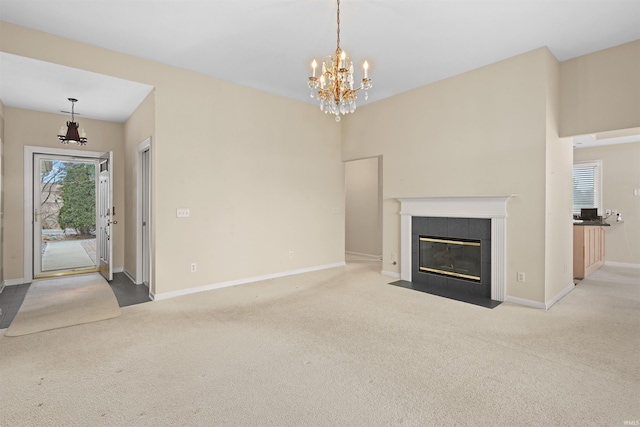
334, 88
71, 134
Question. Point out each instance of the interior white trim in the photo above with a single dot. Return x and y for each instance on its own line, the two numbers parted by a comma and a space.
167, 295
373, 257
488, 207
126, 273
390, 274
559, 296
29, 151
143, 146
15, 282
526, 302
621, 264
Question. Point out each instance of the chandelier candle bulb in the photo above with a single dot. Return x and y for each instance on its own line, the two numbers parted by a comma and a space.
366, 68
314, 64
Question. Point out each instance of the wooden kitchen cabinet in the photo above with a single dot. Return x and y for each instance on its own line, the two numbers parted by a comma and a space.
588, 249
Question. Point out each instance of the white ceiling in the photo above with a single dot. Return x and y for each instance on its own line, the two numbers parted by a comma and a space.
269, 44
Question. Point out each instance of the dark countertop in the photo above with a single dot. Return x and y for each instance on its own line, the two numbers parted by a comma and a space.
593, 223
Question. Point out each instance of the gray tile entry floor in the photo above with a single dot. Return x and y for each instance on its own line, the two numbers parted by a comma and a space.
126, 292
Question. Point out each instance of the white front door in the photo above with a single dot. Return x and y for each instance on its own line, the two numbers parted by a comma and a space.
105, 215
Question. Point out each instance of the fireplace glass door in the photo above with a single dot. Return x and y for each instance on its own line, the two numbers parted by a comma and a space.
460, 258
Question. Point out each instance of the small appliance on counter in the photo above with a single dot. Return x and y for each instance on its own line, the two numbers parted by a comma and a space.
589, 215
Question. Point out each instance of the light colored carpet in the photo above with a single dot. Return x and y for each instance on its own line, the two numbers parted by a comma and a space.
61, 302
338, 347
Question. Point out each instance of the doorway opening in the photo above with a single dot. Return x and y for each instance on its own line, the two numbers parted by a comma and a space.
64, 224
67, 212
363, 209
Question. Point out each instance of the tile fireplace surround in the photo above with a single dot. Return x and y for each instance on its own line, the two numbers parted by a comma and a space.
488, 207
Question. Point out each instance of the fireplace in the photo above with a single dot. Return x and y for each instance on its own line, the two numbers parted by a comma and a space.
448, 215
447, 255
450, 257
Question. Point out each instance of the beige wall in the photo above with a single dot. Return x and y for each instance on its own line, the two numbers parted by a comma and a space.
362, 211
1, 192
261, 174
25, 127
601, 91
139, 127
620, 176
479, 133
558, 193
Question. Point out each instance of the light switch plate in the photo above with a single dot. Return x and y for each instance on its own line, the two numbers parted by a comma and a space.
182, 212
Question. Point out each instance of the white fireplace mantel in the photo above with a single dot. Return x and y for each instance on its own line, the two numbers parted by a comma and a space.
488, 207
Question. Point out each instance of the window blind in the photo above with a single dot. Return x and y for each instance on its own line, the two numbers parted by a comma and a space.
586, 186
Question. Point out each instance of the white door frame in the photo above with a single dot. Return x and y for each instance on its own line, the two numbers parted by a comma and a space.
141, 148
37, 218
29, 151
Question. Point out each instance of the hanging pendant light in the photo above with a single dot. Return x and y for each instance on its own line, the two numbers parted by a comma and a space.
334, 88
71, 134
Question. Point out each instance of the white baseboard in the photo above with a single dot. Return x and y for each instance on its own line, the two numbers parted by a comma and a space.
526, 302
130, 276
559, 296
2, 286
167, 295
376, 257
14, 282
118, 269
542, 305
390, 274
621, 264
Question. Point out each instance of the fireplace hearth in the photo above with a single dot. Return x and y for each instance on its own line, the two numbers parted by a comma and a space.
451, 257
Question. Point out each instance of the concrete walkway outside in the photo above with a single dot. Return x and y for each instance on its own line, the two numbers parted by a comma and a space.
69, 254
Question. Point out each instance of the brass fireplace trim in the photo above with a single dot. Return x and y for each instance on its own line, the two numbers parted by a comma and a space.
450, 273
454, 242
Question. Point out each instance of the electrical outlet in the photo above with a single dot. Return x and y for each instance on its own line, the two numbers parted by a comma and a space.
182, 212
194, 267
521, 277
290, 254
394, 257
